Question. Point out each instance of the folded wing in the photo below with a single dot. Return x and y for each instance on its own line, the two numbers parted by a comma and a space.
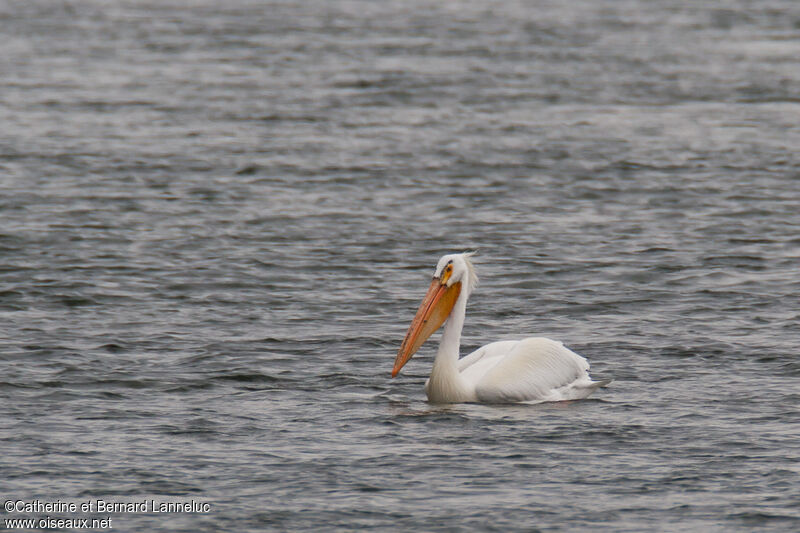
530, 370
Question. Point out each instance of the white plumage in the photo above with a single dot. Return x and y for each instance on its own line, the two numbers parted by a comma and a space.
529, 370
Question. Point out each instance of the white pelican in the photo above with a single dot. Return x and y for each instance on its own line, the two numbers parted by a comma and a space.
529, 370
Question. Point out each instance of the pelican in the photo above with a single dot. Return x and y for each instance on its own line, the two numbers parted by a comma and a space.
531, 370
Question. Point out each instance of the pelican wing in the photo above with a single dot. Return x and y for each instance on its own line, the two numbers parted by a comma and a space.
530, 370
488, 355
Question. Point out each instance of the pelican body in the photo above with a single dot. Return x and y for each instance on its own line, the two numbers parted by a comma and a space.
529, 370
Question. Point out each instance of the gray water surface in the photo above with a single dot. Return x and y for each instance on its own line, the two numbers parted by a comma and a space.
217, 219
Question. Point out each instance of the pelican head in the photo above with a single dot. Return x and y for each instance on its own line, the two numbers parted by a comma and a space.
453, 276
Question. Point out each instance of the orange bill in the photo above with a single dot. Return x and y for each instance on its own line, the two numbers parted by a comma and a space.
432, 312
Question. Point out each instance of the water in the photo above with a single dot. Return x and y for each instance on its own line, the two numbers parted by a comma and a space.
217, 220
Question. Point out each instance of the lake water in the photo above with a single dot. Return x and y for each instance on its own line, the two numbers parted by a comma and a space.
217, 220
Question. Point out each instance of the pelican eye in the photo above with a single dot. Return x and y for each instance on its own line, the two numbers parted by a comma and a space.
447, 272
